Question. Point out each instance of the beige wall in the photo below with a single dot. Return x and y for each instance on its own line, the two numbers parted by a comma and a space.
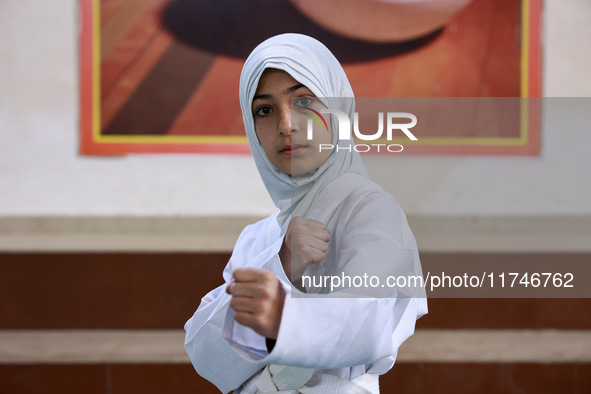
43, 176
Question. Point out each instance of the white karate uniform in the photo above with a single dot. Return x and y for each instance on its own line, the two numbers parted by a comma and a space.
343, 337
327, 343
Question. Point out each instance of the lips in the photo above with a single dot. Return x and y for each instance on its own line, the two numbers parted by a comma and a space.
291, 150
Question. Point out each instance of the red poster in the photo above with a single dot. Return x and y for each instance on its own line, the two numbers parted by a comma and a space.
161, 76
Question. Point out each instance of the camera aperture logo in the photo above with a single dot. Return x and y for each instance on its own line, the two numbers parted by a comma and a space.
315, 117
345, 130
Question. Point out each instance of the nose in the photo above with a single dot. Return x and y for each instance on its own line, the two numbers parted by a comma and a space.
285, 122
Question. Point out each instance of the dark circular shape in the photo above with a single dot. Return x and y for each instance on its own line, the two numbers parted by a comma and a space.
236, 27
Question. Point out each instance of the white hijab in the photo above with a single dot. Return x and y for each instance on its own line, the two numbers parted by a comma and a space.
310, 63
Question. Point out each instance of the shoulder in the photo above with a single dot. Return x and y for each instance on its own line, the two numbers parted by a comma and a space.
256, 237
264, 228
372, 211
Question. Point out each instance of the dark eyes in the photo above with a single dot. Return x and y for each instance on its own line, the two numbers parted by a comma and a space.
263, 111
304, 101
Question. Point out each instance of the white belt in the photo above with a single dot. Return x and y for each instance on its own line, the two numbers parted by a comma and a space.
294, 380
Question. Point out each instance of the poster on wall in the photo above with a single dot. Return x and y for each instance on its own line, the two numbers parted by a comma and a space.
161, 76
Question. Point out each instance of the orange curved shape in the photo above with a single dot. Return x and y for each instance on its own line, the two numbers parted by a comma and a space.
381, 20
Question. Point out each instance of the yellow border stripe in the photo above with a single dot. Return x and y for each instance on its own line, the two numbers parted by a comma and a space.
96, 69
524, 126
453, 141
172, 139
525, 48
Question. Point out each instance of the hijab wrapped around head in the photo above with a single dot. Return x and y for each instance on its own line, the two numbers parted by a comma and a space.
310, 63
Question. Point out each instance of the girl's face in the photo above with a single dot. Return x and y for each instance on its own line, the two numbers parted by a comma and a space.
283, 136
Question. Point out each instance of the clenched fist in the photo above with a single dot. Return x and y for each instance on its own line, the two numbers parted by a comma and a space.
257, 300
305, 242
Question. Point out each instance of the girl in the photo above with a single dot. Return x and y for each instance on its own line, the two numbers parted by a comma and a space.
268, 329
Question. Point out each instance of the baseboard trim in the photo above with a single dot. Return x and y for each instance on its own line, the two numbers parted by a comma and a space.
219, 233
166, 346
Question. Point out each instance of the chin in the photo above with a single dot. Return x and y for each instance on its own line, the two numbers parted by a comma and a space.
302, 171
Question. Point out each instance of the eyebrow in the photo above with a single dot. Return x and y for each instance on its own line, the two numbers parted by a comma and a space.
294, 88
286, 92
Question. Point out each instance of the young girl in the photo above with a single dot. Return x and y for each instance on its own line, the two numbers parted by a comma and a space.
265, 329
